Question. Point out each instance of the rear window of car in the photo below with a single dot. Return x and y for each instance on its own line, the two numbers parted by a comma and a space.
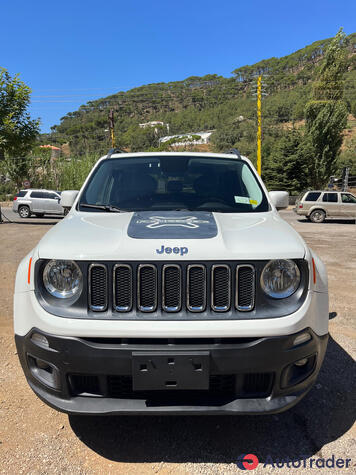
312, 196
51, 196
330, 198
37, 194
21, 194
348, 198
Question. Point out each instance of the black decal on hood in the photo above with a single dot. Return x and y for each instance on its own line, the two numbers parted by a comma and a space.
172, 225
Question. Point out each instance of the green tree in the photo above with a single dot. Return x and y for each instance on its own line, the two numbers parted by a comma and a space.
326, 114
347, 157
226, 137
18, 131
285, 167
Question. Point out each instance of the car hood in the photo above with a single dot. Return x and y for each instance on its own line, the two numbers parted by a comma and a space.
171, 235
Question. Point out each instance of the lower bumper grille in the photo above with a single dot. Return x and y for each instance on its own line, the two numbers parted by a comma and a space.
257, 385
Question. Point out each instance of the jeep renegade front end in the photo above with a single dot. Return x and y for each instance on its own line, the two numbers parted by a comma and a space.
172, 286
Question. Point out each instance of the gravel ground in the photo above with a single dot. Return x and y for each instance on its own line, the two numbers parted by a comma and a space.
38, 440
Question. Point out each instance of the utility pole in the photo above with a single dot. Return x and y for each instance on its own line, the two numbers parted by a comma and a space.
345, 178
111, 127
259, 124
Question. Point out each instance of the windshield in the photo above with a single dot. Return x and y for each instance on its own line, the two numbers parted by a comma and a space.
173, 183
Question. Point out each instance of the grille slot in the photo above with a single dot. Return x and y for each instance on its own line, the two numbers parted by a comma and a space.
98, 287
171, 288
245, 287
196, 288
84, 384
257, 384
220, 288
147, 288
122, 282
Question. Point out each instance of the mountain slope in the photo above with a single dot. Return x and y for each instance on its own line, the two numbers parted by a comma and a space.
201, 103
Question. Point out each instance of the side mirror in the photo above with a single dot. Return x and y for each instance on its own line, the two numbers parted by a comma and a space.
280, 199
67, 198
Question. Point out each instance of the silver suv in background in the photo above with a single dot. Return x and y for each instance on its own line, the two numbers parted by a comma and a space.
318, 205
37, 202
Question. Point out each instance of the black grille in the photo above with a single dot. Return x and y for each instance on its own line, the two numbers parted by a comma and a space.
84, 384
221, 288
245, 294
172, 288
122, 288
98, 288
147, 288
196, 288
256, 385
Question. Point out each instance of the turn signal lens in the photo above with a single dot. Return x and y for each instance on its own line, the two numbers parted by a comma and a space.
39, 340
29, 271
314, 271
302, 338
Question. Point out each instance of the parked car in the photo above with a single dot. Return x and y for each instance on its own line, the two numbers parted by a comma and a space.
318, 205
174, 287
37, 202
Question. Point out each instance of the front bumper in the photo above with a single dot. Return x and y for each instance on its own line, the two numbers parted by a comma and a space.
98, 375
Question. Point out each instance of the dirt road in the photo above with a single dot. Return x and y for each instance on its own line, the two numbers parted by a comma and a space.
36, 439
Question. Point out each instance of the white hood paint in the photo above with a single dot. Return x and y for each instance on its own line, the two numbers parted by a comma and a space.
103, 236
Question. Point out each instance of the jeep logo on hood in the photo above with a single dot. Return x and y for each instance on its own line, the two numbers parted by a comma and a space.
172, 250
160, 221
172, 225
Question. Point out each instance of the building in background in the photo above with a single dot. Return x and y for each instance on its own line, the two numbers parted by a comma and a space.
191, 138
155, 124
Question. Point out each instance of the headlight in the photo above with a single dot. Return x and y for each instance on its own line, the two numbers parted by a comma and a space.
62, 279
280, 278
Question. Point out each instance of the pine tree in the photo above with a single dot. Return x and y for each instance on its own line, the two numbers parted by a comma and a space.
326, 114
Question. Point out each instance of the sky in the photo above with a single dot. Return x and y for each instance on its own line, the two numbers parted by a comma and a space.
70, 52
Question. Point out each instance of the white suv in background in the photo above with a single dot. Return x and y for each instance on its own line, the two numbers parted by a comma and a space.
37, 202
318, 205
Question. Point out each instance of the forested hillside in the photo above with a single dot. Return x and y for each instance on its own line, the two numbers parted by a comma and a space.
212, 102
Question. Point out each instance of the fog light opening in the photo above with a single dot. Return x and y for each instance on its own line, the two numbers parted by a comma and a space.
44, 366
301, 362
44, 372
39, 340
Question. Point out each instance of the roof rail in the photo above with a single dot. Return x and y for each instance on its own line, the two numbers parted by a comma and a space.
234, 151
114, 150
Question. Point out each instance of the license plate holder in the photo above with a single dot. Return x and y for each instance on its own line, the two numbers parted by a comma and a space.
167, 371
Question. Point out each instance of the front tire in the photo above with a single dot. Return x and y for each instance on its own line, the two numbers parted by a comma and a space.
24, 212
317, 216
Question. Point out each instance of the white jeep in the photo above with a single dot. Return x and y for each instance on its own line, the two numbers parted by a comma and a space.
172, 286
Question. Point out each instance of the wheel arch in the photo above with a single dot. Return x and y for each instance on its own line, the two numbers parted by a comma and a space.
317, 208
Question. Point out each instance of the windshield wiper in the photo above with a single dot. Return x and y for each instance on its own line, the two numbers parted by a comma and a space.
108, 208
